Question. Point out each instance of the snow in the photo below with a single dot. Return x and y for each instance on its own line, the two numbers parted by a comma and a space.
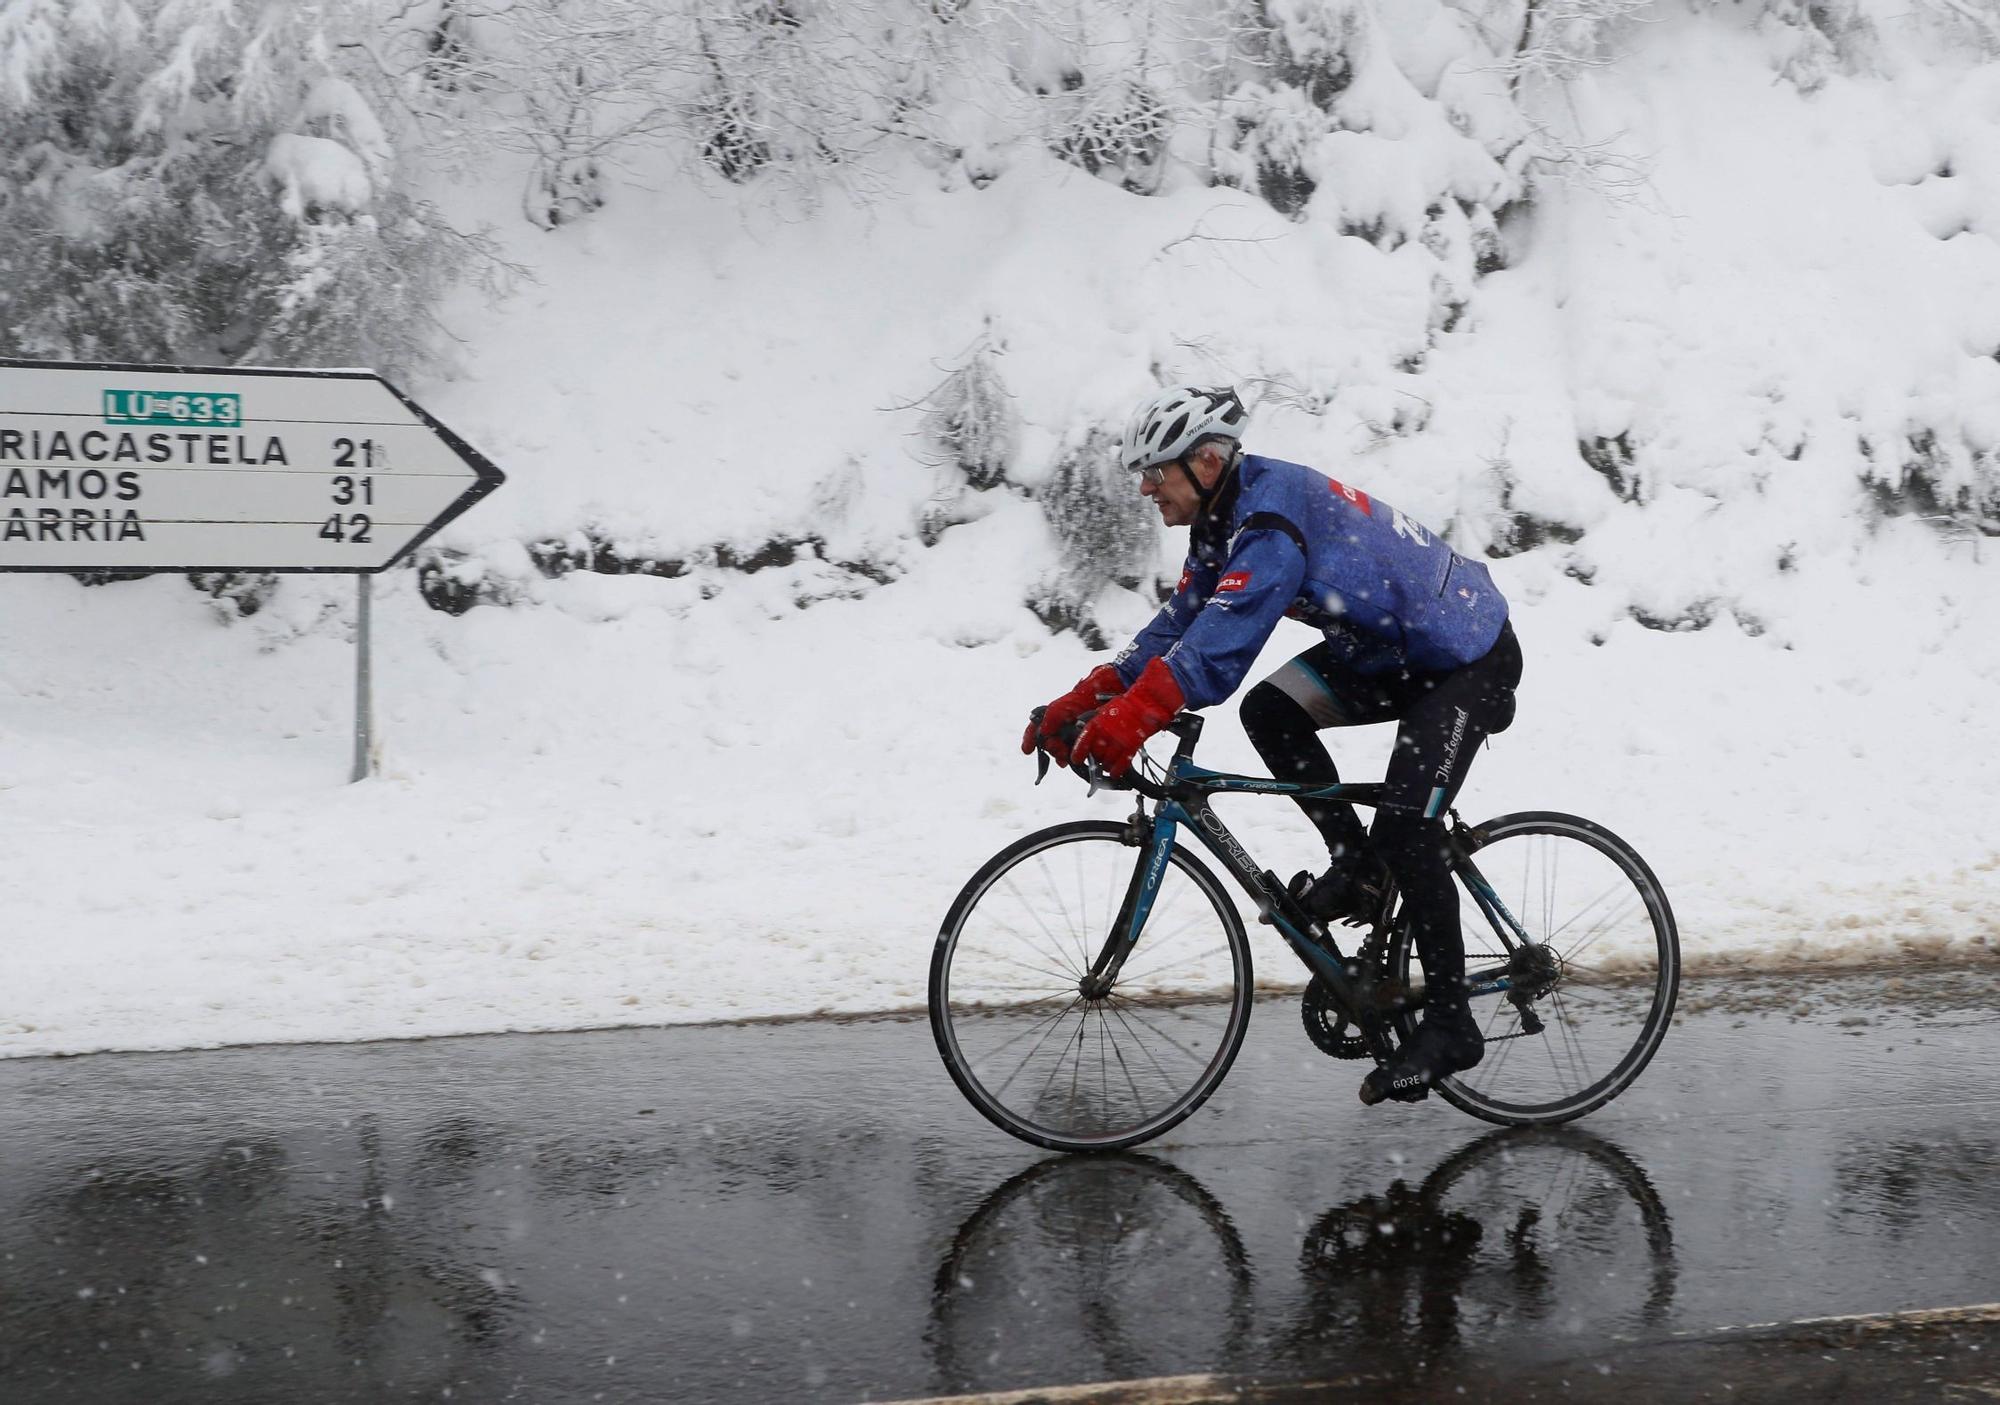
317, 173
339, 107
637, 799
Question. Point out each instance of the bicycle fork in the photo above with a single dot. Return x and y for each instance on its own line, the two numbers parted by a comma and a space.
1157, 840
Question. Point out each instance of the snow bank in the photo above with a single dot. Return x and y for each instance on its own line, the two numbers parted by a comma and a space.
727, 792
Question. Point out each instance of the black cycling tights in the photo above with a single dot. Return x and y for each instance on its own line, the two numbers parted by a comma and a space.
1414, 848
1441, 720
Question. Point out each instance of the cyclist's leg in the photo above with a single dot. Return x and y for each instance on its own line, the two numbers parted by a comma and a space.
1447, 717
1444, 720
1283, 716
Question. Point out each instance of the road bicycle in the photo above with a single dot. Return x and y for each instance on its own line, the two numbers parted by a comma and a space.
1091, 983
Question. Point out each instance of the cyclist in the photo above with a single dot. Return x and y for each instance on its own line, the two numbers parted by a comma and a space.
1410, 631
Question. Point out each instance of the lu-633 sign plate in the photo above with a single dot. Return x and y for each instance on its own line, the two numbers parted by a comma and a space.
190, 468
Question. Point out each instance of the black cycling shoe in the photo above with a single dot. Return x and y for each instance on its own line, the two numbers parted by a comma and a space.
1446, 1042
1338, 896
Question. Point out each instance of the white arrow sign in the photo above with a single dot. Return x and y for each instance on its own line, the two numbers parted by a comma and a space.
189, 468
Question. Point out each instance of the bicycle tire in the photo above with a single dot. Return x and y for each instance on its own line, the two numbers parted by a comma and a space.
1176, 1003
1630, 991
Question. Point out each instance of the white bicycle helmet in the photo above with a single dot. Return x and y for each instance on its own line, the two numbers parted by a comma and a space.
1176, 419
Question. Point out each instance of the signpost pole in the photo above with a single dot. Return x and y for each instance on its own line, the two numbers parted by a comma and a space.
364, 690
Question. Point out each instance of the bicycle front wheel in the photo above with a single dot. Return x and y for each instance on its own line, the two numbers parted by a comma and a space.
1023, 1042
1596, 981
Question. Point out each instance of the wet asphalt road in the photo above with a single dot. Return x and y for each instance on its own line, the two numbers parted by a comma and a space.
808, 1212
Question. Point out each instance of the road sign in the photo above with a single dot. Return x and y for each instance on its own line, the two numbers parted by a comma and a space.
192, 468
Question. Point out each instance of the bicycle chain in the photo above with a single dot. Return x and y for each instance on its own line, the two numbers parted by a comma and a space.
1326, 1025
1519, 1033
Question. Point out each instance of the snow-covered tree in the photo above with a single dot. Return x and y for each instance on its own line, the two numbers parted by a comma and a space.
970, 417
1106, 534
204, 181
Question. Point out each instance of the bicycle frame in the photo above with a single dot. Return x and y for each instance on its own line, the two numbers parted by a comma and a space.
1182, 801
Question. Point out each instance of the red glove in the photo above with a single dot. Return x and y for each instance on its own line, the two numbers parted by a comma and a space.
1122, 726
1099, 685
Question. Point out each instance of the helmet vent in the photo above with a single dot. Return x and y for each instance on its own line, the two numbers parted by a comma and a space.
1177, 418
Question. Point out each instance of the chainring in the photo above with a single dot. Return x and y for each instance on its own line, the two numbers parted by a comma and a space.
1328, 1028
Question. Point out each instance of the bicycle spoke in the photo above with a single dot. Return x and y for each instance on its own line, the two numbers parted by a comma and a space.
1491, 1068
1074, 924
1185, 961
1034, 947
1560, 1037
1549, 912
1028, 1032
1067, 980
1105, 1067
1162, 1034
1055, 892
1125, 1068
1076, 1074
1054, 1022
1083, 906
1607, 993
1127, 1017
1555, 1064
1058, 955
1619, 890
1056, 1066
1017, 989
1595, 975
1575, 1039
1144, 1048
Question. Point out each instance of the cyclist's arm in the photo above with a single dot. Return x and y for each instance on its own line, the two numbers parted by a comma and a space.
1256, 586
1167, 627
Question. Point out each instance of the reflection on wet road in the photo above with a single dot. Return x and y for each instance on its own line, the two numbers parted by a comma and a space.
1531, 1232
809, 1212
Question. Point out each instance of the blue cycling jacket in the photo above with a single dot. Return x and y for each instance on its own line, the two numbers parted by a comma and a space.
1284, 539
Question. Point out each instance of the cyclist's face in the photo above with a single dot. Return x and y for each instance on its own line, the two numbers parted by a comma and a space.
1173, 494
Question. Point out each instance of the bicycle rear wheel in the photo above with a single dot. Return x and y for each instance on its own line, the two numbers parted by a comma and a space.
1021, 1040
1600, 978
